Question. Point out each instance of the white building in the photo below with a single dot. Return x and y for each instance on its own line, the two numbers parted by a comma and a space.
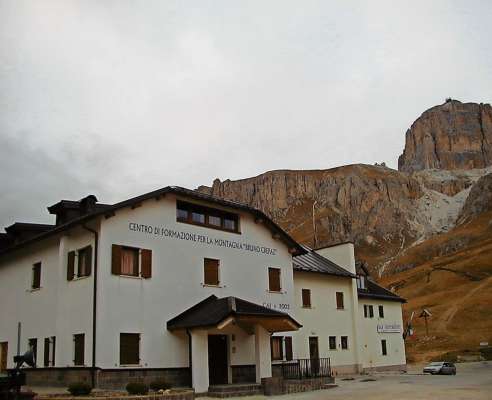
180, 285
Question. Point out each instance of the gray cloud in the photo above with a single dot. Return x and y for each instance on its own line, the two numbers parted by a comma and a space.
121, 97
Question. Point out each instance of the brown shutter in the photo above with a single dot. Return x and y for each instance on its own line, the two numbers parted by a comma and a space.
288, 348
116, 259
274, 279
306, 298
146, 263
211, 271
71, 265
340, 300
88, 261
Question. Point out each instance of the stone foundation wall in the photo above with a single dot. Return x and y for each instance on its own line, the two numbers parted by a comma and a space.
349, 369
277, 385
107, 378
243, 373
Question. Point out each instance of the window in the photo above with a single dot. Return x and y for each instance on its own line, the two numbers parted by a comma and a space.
306, 298
78, 349
381, 311
274, 280
211, 271
276, 346
361, 282
84, 263
371, 311
33, 346
344, 342
365, 310
210, 217
36, 276
49, 351
131, 261
332, 342
129, 348
288, 348
339, 300
383, 347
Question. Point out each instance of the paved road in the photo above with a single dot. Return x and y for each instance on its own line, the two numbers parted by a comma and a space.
472, 381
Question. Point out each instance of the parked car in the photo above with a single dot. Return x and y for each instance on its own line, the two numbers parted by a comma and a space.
441, 367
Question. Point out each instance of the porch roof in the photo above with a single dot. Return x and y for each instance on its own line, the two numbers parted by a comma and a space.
216, 313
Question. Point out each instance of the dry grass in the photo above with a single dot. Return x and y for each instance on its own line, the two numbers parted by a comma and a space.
456, 288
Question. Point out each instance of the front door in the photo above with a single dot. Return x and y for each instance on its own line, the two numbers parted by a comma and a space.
4, 349
314, 355
217, 359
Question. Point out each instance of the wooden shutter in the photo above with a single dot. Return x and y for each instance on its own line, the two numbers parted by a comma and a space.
146, 263
79, 349
53, 348
274, 279
129, 348
340, 300
306, 298
371, 311
288, 348
36, 276
47, 352
70, 265
116, 259
276, 348
211, 271
88, 260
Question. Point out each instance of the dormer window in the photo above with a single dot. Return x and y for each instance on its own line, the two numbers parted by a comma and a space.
205, 216
361, 282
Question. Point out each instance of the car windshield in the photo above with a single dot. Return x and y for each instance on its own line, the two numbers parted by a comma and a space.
435, 364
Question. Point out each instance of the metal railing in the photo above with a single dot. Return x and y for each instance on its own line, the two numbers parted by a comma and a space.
303, 368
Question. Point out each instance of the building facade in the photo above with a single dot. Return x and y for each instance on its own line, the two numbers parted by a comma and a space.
178, 285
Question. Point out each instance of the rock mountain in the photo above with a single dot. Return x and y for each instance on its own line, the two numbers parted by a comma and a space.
384, 211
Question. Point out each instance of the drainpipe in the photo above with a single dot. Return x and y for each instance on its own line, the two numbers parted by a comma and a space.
94, 306
190, 363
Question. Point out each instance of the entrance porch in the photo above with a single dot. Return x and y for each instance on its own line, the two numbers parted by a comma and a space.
226, 328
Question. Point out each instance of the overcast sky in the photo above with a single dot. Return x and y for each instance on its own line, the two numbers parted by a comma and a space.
117, 98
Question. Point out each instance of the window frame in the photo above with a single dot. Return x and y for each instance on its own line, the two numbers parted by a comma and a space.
274, 290
78, 363
138, 336
205, 283
340, 304
36, 272
188, 209
384, 347
342, 339
33, 345
308, 295
330, 347
280, 340
49, 351
371, 310
88, 261
381, 311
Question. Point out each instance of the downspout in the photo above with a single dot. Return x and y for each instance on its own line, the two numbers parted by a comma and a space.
94, 306
190, 362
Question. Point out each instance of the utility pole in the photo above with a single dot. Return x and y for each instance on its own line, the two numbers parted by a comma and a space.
315, 239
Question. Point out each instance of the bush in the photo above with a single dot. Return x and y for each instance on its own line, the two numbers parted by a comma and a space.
159, 385
137, 388
79, 389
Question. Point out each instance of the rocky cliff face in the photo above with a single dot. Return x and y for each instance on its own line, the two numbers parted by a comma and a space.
451, 136
478, 201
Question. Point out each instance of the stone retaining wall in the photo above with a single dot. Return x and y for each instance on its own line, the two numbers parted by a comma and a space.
178, 395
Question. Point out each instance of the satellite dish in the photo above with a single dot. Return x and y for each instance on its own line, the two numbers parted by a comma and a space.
27, 357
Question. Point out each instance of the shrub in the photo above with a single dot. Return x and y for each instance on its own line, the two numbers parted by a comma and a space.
79, 389
137, 388
159, 385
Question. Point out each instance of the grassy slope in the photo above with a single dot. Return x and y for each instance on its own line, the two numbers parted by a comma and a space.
455, 287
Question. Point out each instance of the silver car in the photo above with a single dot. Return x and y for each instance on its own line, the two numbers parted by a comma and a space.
441, 367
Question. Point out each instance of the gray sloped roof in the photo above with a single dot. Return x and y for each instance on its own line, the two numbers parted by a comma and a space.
313, 262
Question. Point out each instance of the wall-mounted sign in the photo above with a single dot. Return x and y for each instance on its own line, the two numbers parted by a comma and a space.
279, 306
169, 233
389, 328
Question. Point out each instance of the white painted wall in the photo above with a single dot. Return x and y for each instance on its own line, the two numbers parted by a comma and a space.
144, 306
341, 254
371, 351
59, 308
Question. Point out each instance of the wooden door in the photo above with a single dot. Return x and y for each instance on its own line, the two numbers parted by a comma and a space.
314, 355
217, 359
4, 351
